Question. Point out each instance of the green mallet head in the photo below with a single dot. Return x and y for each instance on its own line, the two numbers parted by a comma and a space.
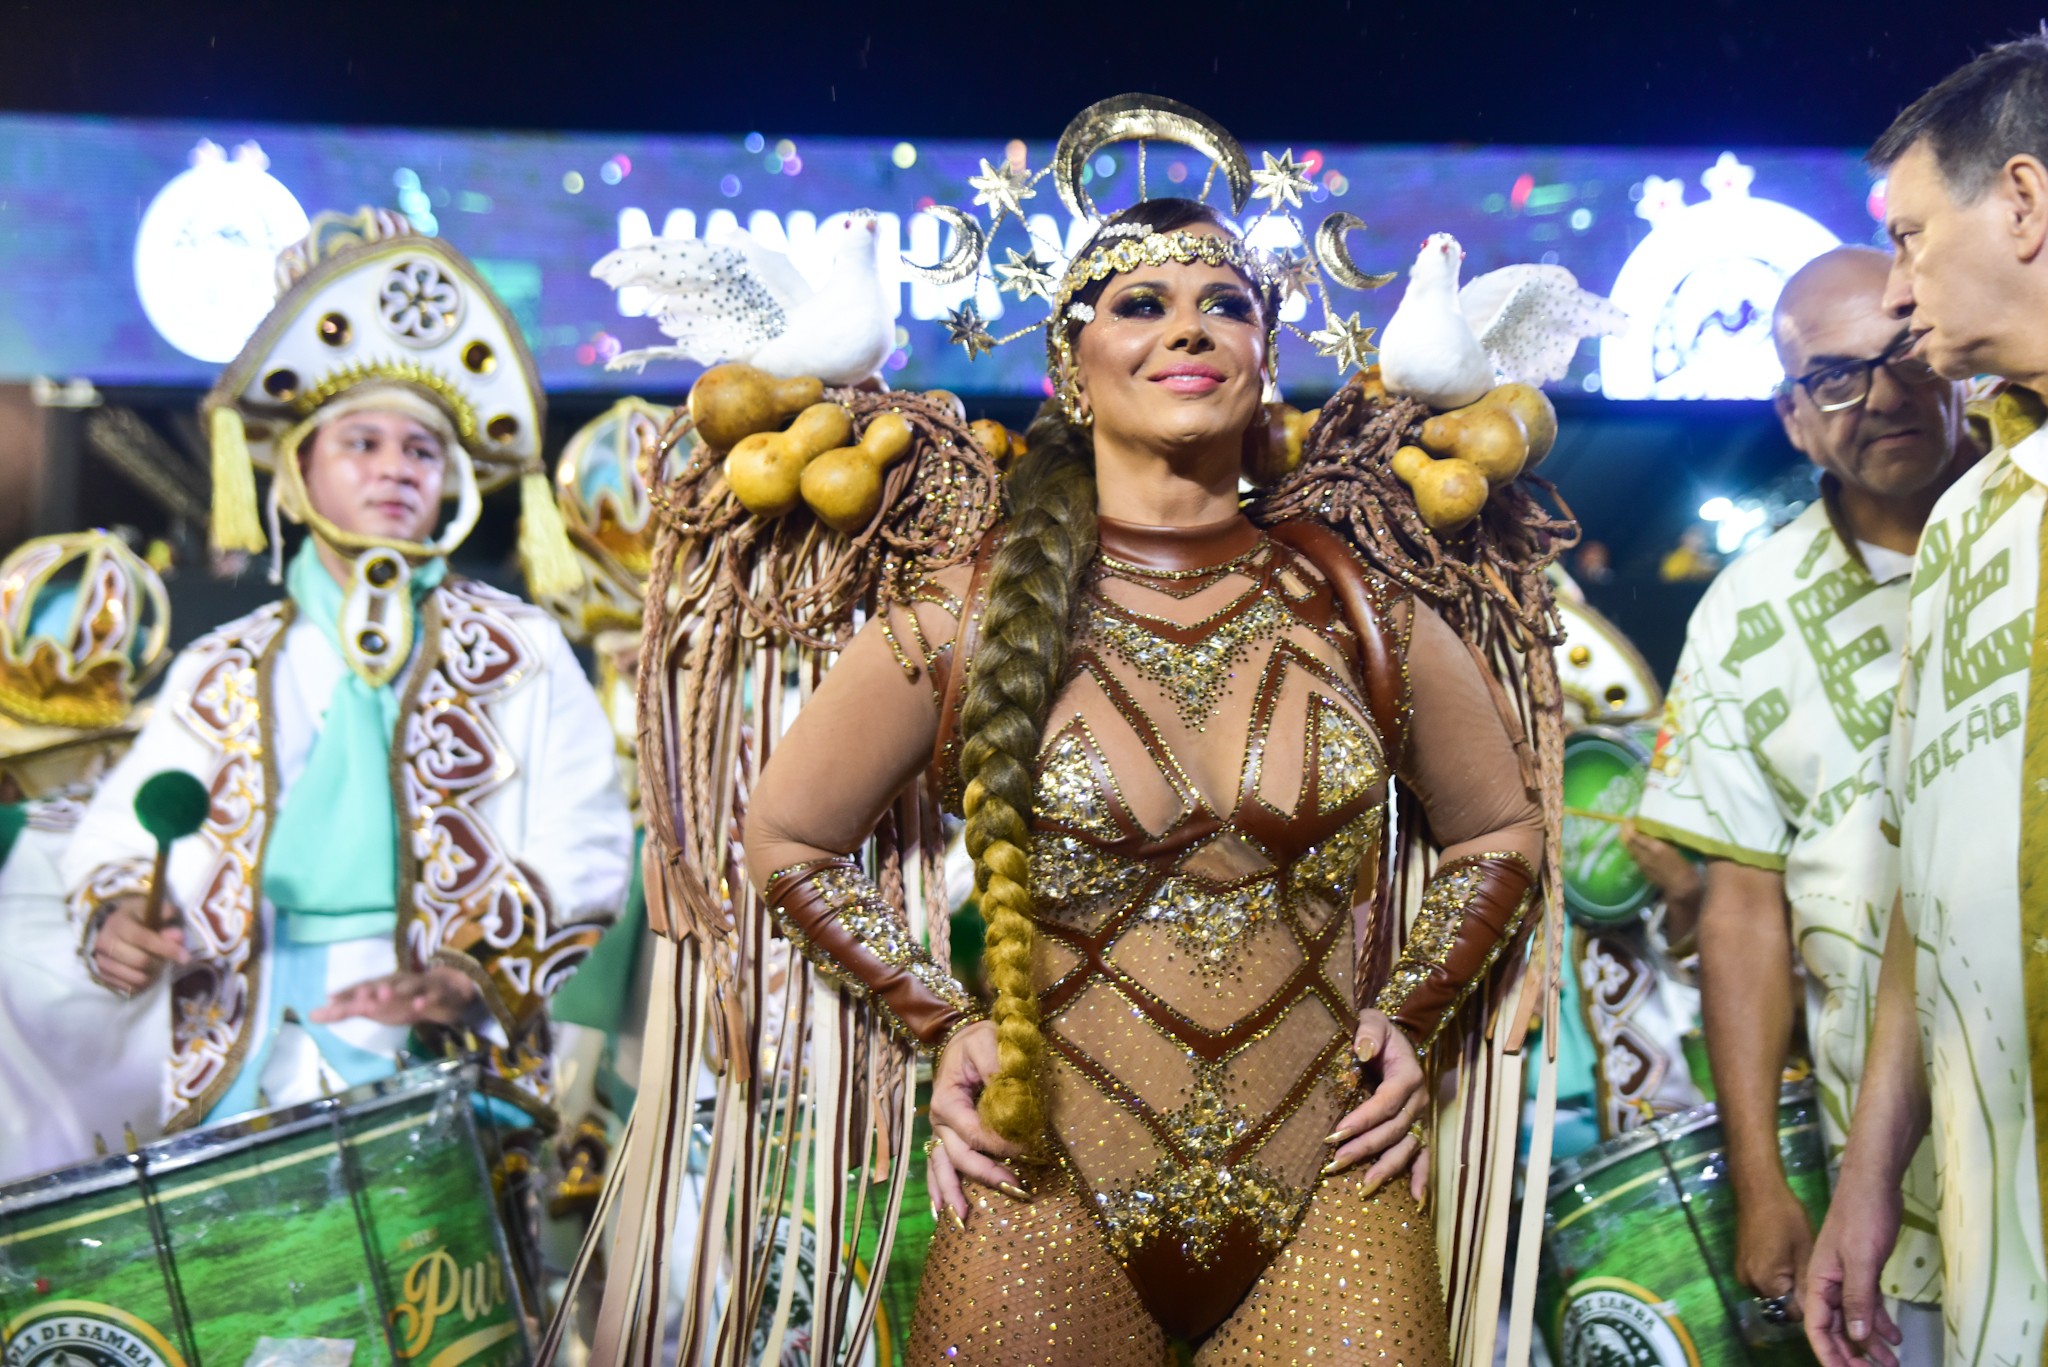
13, 819
171, 805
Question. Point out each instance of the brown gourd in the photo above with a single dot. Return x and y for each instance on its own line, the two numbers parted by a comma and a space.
993, 438
1533, 407
844, 487
1490, 437
1449, 493
765, 469
730, 403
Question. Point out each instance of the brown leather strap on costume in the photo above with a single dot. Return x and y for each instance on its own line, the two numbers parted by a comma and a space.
839, 921
1472, 908
1382, 670
959, 661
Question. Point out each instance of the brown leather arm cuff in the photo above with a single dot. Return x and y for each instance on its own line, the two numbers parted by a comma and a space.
839, 921
1471, 909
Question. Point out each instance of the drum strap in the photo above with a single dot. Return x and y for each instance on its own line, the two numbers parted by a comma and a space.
2033, 880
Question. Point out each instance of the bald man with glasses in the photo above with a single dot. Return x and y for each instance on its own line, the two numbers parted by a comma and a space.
1772, 762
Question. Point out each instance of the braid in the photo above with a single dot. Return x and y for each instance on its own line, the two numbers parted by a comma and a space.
1018, 667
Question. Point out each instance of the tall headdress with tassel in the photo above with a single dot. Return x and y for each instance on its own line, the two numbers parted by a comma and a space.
373, 314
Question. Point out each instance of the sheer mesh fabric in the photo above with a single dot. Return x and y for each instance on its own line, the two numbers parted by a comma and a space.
1034, 1285
1211, 787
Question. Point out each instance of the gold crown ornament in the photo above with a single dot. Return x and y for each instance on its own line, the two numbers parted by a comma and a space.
601, 491
372, 315
84, 624
1043, 271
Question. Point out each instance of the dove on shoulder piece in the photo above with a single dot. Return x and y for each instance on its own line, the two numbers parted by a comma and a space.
741, 300
1531, 319
1428, 351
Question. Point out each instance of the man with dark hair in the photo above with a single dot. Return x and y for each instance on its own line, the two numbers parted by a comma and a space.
1965, 968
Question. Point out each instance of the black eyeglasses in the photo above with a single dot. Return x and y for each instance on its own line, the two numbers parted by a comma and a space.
1844, 384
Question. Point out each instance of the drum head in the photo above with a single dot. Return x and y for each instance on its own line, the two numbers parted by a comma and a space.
1604, 768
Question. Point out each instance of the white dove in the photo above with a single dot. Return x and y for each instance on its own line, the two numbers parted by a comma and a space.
1447, 346
742, 301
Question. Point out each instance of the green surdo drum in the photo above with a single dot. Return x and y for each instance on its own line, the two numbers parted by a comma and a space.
1639, 1247
1604, 768
355, 1230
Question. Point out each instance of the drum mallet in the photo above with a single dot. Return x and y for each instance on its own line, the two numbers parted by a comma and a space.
170, 805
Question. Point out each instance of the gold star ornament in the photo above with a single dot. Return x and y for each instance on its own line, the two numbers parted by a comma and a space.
1345, 340
1295, 272
1003, 188
1025, 275
1283, 180
966, 327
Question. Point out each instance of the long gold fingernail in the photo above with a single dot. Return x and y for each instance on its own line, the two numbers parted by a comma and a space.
959, 1220
935, 1212
1334, 1166
1014, 1192
1365, 1051
1335, 1137
1370, 1188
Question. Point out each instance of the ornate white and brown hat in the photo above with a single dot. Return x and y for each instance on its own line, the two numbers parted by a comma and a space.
370, 314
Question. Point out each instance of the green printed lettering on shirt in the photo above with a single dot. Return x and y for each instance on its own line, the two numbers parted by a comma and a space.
1757, 629
1967, 665
1864, 720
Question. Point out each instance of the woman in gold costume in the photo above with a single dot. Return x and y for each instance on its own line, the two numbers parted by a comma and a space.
1192, 1114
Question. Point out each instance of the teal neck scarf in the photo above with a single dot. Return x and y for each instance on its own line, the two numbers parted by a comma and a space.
331, 868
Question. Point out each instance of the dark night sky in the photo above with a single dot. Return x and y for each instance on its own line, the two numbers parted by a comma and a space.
1646, 71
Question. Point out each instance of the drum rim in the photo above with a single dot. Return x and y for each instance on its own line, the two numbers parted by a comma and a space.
1665, 1129
233, 1135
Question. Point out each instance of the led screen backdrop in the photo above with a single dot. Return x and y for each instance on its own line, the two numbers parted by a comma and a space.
138, 252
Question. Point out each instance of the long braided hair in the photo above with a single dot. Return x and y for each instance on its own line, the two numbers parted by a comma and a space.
1019, 665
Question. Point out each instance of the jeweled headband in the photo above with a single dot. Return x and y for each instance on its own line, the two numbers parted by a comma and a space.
1121, 247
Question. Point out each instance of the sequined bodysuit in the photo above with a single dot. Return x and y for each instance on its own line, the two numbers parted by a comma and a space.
1210, 787
1211, 790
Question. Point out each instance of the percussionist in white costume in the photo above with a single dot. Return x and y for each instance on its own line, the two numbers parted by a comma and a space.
83, 626
417, 831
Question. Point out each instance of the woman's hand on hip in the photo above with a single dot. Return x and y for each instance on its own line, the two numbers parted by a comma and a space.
965, 1147
1383, 1129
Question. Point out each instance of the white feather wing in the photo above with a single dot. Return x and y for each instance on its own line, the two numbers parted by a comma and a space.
708, 299
1531, 319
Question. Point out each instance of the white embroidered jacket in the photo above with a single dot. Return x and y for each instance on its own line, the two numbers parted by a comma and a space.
514, 840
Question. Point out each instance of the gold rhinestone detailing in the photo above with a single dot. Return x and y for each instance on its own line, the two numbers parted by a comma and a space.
1330, 870
859, 906
1211, 921
1068, 793
1445, 903
1070, 875
1197, 674
1348, 761
1195, 1205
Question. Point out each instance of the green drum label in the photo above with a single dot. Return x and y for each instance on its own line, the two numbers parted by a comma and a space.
1609, 1322
86, 1334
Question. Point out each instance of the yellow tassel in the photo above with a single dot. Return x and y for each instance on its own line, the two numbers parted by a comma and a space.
235, 523
551, 566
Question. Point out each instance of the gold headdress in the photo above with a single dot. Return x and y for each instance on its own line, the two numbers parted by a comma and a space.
1282, 181
372, 314
83, 626
601, 491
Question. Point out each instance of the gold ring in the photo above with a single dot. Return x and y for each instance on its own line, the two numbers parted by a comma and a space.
1419, 1135
932, 1146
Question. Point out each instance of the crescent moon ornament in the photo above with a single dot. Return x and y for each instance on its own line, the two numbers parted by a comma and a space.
969, 242
1336, 257
1122, 118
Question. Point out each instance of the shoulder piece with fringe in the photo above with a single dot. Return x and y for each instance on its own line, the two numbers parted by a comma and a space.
813, 1094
